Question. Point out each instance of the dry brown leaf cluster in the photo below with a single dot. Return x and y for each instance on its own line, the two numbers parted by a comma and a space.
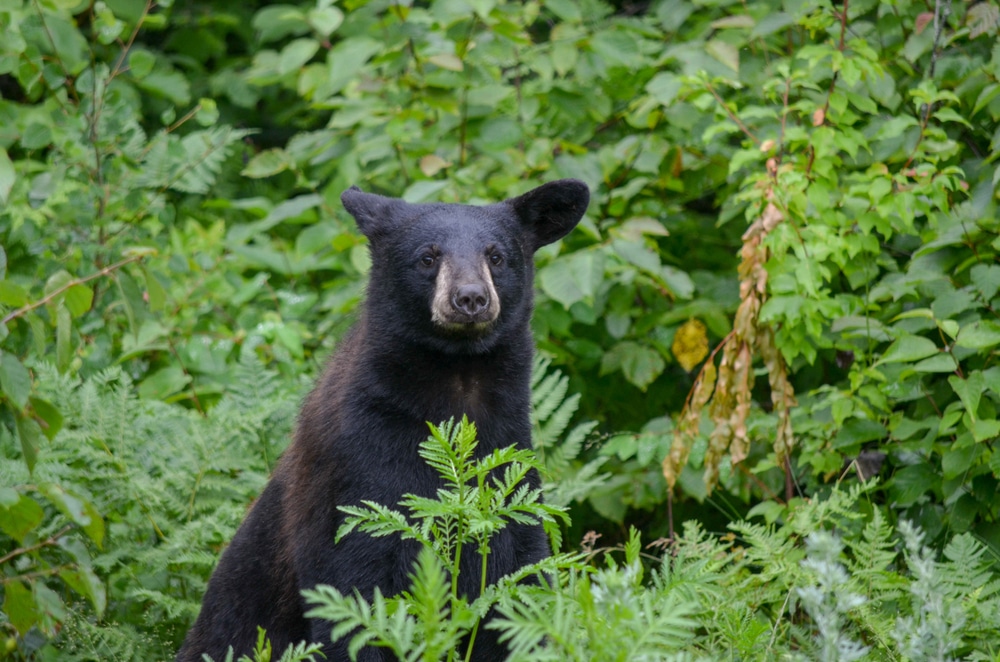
726, 391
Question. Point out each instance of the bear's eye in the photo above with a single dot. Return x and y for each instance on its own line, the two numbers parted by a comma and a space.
428, 260
496, 259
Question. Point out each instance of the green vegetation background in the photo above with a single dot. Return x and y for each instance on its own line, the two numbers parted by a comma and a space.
787, 281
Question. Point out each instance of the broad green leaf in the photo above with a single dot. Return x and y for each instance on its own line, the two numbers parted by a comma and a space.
969, 390
424, 191
558, 282
733, 21
448, 61
19, 518
296, 54
979, 335
78, 299
640, 364
141, 63
325, 20
909, 483
344, 62
664, 87
12, 294
957, 461
267, 163
725, 53
15, 381
7, 177
84, 581
19, 606
566, 10
637, 253
64, 338
135, 305
51, 419
939, 363
986, 279
170, 85
985, 430
53, 284
857, 431
771, 23
155, 290
30, 435
276, 21
80, 511
908, 348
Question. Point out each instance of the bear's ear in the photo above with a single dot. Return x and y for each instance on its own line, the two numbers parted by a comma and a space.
550, 211
375, 214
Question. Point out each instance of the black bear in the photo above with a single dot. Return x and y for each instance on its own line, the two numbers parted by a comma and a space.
444, 331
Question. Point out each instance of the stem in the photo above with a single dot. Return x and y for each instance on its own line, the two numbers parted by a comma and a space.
732, 115
48, 542
73, 283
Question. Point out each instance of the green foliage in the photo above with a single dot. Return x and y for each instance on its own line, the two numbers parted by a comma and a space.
829, 579
173, 261
118, 526
477, 499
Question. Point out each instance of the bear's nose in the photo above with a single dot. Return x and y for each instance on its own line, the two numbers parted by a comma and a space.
470, 299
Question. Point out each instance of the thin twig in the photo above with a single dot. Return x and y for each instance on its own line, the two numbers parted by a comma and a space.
732, 115
23, 310
49, 542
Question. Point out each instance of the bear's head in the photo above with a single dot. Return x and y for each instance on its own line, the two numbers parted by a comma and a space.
458, 278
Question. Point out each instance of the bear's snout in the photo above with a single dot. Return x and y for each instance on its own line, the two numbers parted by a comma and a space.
465, 299
470, 299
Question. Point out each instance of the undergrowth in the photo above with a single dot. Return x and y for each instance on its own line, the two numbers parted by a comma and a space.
818, 579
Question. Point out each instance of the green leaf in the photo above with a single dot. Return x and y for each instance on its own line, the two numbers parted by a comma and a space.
163, 383
7, 177
276, 21
30, 435
15, 381
78, 299
21, 517
985, 430
909, 483
557, 281
664, 87
345, 60
772, 23
267, 163
979, 335
939, 363
566, 10
19, 605
141, 63
908, 348
857, 431
51, 418
170, 85
640, 364
296, 54
969, 390
725, 53
80, 511
12, 294
637, 254
84, 581
986, 279
155, 290
325, 20
957, 461
64, 338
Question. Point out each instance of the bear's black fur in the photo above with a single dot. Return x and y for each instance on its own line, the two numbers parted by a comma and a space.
444, 331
